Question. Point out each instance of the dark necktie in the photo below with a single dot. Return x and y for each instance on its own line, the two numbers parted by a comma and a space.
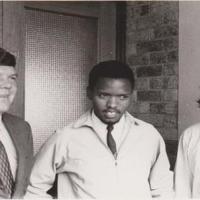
110, 140
6, 178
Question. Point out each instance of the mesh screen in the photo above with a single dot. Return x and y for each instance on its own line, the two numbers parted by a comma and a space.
60, 50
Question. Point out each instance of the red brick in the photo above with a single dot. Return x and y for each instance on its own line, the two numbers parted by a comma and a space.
170, 43
148, 95
157, 108
173, 56
143, 23
165, 31
138, 60
170, 82
144, 10
169, 133
165, 10
156, 83
140, 107
170, 95
170, 121
154, 119
158, 58
140, 35
153, 31
149, 46
164, 108
147, 71
171, 17
171, 108
142, 84
170, 69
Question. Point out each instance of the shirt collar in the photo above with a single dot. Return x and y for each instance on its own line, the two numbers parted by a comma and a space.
87, 119
102, 125
97, 123
84, 120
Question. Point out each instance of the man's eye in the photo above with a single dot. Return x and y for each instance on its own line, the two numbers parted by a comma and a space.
122, 97
102, 95
13, 78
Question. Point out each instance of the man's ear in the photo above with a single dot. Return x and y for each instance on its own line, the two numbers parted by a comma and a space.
133, 96
89, 93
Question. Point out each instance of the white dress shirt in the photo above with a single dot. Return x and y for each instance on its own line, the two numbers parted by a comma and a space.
9, 147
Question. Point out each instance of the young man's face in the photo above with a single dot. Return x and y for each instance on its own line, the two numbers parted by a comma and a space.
8, 87
111, 98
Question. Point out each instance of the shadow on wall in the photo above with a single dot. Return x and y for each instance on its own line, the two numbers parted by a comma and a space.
171, 148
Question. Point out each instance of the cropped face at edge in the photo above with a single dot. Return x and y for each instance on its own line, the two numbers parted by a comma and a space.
8, 87
111, 97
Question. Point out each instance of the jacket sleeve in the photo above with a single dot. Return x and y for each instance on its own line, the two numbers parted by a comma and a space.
45, 167
161, 178
183, 176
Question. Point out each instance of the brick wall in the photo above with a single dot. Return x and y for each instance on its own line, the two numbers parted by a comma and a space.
152, 52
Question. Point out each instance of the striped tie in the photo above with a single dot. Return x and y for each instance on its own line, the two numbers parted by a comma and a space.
6, 178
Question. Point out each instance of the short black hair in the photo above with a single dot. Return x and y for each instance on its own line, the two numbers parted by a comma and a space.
6, 58
110, 69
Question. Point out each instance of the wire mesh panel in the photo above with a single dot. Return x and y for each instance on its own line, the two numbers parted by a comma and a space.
60, 50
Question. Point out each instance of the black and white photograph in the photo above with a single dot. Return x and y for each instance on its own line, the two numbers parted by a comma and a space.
99, 99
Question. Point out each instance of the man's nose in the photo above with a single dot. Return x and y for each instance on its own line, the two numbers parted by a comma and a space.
112, 102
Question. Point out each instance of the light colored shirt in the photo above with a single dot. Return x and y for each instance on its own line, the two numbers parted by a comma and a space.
9, 147
187, 169
86, 167
117, 132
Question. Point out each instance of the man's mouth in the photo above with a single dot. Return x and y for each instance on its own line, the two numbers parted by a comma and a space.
111, 113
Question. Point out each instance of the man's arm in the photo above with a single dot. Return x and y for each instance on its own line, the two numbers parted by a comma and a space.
161, 178
183, 176
45, 167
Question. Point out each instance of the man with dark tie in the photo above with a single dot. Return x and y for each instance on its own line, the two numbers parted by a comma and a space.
106, 153
16, 146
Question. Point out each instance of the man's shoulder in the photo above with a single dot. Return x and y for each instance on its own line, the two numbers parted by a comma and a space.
76, 127
7, 117
193, 128
138, 121
144, 127
192, 133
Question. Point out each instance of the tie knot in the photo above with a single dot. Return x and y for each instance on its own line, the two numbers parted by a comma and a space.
110, 127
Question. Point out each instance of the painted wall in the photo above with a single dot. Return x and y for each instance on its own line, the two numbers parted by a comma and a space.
189, 64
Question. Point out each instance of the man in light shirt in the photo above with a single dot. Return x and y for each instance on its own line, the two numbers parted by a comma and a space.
16, 147
187, 168
106, 153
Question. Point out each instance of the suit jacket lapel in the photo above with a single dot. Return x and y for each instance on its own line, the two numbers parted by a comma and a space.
17, 139
11, 130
